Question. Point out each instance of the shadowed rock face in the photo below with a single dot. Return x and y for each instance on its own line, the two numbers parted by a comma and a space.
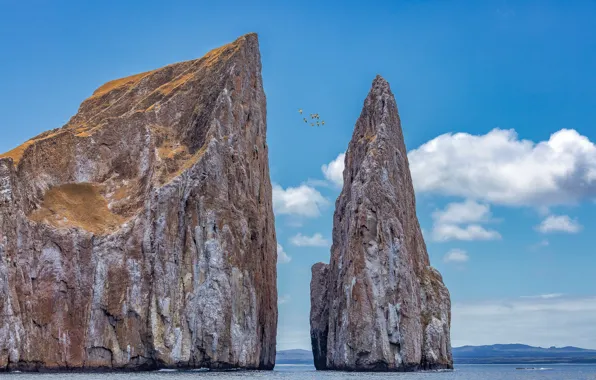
378, 305
141, 234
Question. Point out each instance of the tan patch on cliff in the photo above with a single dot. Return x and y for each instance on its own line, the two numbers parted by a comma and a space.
123, 197
77, 205
216, 54
170, 86
127, 82
174, 157
172, 151
187, 164
17, 153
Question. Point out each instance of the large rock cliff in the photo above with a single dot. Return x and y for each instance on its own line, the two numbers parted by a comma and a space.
141, 234
378, 305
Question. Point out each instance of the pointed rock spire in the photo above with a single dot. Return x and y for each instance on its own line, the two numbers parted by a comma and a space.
378, 305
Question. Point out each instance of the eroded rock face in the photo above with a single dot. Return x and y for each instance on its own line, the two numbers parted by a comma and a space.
319, 314
379, 305
141, 234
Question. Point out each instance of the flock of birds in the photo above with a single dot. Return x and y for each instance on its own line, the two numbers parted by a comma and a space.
313, 116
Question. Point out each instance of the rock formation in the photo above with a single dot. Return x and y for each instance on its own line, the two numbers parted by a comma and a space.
141, 234
378, 305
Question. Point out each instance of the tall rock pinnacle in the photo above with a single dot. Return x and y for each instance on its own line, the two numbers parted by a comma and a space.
141, 234
378, 305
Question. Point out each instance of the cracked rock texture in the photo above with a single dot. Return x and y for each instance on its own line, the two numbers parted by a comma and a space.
141, 234
378, 305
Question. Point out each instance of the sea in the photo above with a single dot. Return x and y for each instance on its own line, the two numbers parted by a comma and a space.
307, 372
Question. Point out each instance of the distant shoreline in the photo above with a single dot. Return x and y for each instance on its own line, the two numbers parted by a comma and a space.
505, 354
522, 361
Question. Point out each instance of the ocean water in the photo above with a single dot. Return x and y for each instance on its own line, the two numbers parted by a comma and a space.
291, 372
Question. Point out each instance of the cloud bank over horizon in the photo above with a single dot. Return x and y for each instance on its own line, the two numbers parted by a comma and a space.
543, 320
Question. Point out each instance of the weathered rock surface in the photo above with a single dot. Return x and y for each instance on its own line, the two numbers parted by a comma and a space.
141, 234
379, 305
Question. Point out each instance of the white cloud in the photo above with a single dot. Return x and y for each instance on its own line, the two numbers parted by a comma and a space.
500, 168
559, 223
446, 232
319, 183
334, 171
542, 243
448, 222
284, 299
295, 222
542, 321
546, 296
317, 240
456, 256
303, 201
282, 256
468, 211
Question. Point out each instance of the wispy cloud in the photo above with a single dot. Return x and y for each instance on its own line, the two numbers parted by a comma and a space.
317, 240
282, 256
468, 211
545, 296
559, 223
460, 221
320, 183
446, 232
540, 244
456, 256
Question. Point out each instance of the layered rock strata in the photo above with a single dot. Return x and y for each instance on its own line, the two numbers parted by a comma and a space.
378, 305
141, 234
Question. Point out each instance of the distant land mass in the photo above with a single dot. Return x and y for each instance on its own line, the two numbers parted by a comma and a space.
294, 357
521, 353
493, 354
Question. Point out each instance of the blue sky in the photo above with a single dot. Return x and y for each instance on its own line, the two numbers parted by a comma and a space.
498, 106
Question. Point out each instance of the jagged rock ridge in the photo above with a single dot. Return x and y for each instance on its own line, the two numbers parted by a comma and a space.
141, 234
378, 305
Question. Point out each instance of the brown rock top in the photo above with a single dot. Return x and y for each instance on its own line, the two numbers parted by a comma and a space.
378, 305
141, 234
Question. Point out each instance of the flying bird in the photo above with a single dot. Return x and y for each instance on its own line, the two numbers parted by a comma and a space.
315, 119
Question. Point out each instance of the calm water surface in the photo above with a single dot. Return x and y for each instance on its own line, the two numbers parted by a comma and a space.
287, 372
